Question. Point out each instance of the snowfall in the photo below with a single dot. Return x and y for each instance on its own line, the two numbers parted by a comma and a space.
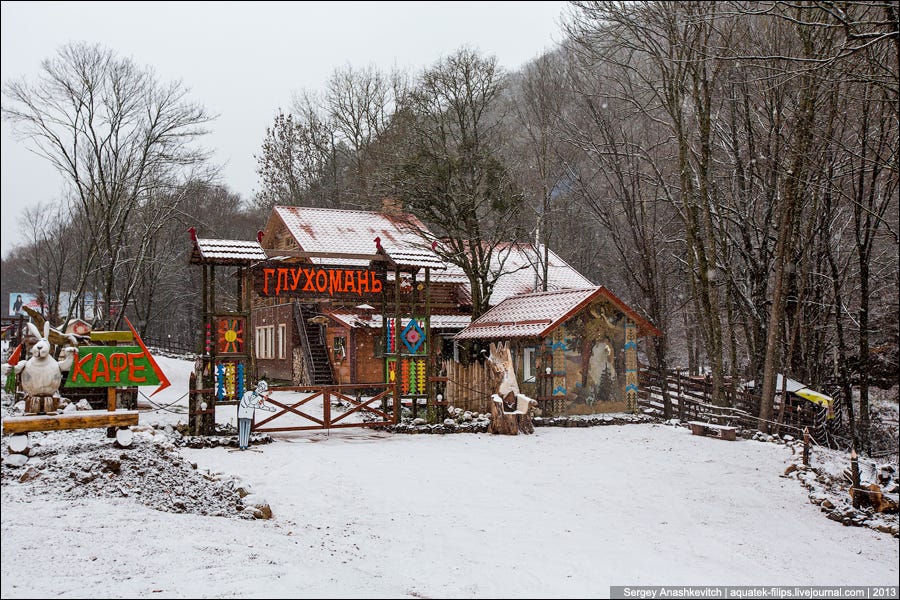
566, 512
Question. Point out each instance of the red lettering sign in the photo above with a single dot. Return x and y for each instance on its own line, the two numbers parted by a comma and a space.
318, 281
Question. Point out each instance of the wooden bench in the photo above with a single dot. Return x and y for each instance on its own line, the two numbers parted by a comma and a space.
723, 432
77, 420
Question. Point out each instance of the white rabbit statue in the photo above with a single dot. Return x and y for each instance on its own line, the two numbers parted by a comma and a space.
42, 374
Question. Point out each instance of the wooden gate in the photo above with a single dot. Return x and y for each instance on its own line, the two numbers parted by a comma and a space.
331, 407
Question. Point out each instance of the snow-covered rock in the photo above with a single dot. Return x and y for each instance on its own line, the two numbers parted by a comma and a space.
15, 460
30, 473
259, 506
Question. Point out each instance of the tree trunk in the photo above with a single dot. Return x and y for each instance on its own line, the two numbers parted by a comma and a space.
509, 423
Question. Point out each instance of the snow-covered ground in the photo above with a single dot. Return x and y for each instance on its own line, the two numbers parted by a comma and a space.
565, 512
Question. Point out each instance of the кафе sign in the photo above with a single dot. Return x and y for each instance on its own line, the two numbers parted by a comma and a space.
317, 281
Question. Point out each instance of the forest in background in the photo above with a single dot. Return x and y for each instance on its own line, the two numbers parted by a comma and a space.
729, 169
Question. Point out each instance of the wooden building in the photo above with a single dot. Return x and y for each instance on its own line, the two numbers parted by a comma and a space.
348, 297
335, 283
575, 351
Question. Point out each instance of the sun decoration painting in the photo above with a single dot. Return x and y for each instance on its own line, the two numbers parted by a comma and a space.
231, 335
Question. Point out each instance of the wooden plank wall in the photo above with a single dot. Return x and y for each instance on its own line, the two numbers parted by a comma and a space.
469, 386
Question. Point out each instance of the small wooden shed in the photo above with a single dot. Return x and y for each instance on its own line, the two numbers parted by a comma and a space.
575, 351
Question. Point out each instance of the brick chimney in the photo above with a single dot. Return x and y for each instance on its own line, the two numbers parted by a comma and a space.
392, 207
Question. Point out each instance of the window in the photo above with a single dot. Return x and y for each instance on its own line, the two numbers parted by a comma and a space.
282, 340
265, 341
340, 348
529, 364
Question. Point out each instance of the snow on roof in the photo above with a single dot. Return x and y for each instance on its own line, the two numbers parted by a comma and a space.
226, 251
526, 315
374, 321
517, 261
450, 321
536, 315
354, 232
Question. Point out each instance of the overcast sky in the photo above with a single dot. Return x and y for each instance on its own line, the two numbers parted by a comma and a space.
243, 61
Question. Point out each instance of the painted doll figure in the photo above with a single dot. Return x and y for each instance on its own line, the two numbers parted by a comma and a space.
250, 401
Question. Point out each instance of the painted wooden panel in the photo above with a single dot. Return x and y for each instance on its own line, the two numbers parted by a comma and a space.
590, 363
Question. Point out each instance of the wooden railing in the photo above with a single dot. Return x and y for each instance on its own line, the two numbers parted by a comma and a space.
691, 400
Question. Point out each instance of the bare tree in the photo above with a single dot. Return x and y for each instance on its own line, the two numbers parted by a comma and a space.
46, 226
664, 59
360, 104
119, 137
536, 155
295, 155
452, 174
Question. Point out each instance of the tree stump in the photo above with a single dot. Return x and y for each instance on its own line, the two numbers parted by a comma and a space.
38, 405
19, 444
124, 438
509, 423
33, 405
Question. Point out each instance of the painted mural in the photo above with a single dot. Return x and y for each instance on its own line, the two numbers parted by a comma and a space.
589, 361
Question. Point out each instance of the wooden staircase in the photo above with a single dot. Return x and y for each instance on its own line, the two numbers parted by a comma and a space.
317, 362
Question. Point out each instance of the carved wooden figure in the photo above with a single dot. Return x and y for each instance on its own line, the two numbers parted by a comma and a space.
510, 409
42, 374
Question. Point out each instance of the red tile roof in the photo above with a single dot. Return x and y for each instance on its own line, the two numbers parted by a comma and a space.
355, 231
537, 315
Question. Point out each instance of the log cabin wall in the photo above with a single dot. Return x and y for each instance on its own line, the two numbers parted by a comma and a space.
274, 338
369, 363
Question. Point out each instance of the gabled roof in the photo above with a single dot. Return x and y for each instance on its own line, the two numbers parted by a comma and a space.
355, 231
537, 315
517, 261
226, 252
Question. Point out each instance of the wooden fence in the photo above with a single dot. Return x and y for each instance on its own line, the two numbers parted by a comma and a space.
469, 387
691, 400
170, 345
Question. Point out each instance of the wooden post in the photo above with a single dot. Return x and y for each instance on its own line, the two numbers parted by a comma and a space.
111, 407
398, 328
429, 364
240, 289
855, 492
806, 446
193, 405
326, 407
204, 309
680, 397
212, 310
